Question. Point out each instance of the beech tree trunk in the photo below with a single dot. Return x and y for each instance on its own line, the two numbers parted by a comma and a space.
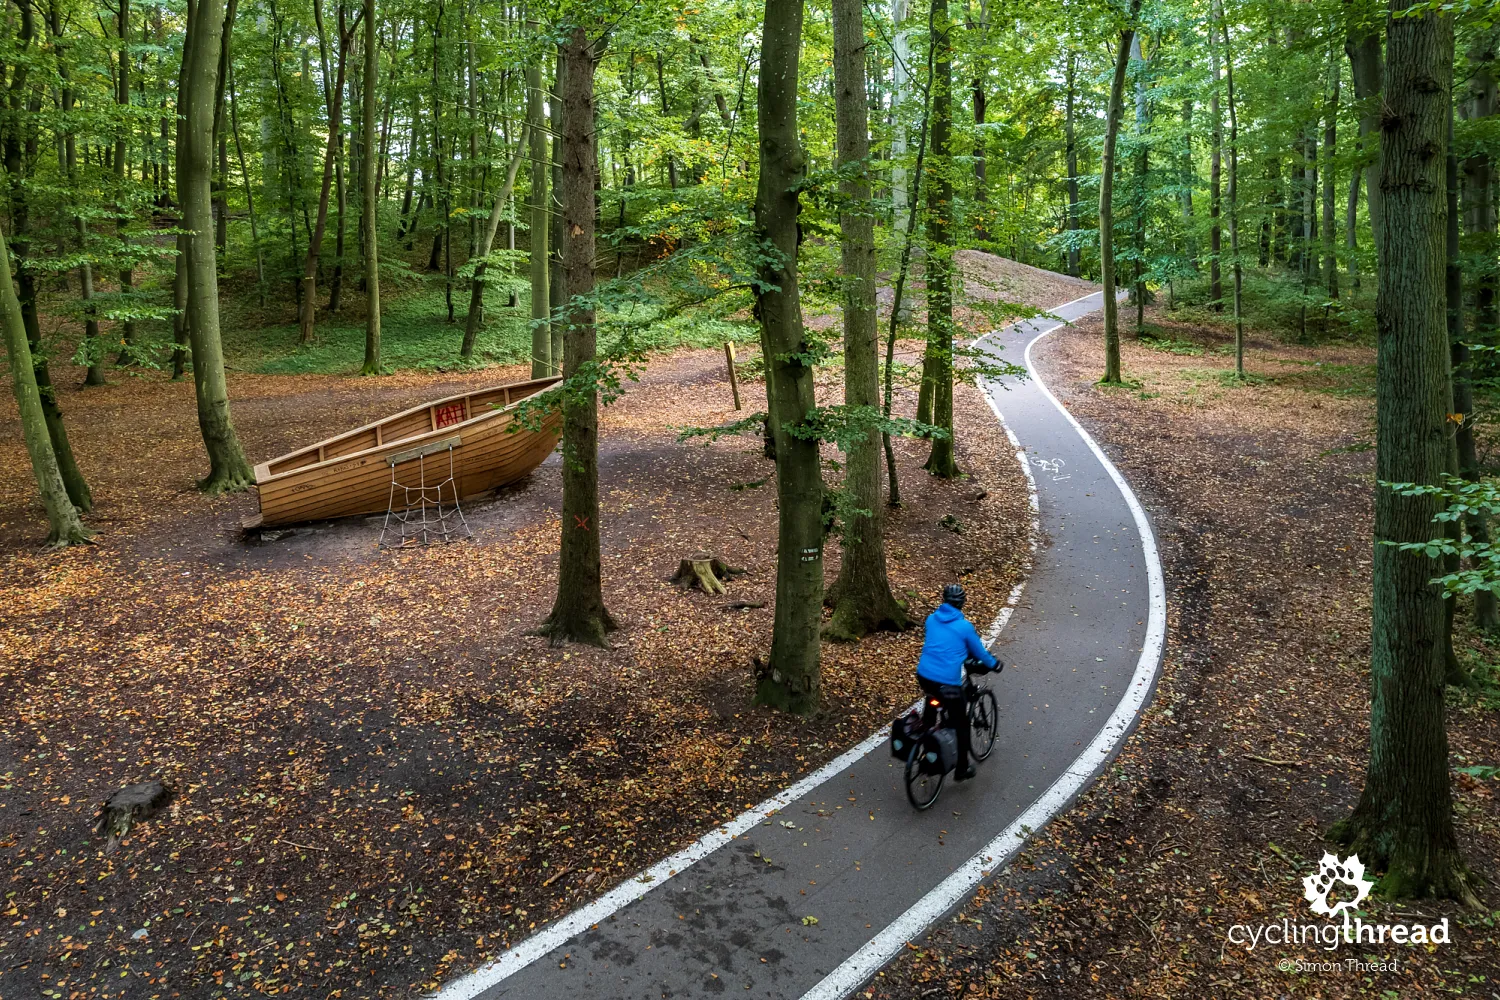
65, 528
1107, 201
861, 596
369, 184
579, 614
790, 679
228, 467
541, 299
938, 364
1403, 822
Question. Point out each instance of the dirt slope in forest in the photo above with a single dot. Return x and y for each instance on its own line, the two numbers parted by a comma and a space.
1261, 498
380, 776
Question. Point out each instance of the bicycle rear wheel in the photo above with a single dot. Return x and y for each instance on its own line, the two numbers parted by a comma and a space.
984, 721
922, 788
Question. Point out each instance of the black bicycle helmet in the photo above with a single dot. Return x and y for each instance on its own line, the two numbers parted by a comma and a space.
954, 594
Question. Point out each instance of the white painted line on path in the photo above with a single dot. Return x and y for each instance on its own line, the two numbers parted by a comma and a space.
864, 963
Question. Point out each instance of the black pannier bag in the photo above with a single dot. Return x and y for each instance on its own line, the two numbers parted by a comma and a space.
939, 751
904, 732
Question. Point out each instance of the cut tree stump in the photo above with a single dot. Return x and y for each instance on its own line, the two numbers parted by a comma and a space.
130, 805
705, 572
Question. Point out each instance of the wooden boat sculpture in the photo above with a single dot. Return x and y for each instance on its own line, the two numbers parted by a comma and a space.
351, 474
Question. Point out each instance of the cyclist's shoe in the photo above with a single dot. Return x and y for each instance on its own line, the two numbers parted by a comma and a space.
964, 773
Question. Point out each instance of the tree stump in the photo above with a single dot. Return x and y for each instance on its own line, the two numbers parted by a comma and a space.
130, 805
703, 572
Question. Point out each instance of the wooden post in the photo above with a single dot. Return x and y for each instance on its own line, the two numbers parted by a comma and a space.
734, 383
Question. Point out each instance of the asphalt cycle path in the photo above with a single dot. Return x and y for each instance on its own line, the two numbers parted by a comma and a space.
810, 893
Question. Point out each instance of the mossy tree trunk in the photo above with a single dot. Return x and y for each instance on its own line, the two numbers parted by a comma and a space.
228, 467
861, 596
20, 151
790, 680
62, 516
579, 614
1403, 822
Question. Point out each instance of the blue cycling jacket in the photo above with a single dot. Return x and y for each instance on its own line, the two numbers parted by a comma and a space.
950, 639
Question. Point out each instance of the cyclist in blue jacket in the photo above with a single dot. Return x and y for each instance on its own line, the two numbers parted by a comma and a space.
950, 640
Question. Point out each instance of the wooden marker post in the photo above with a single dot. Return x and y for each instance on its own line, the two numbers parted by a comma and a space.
734, 382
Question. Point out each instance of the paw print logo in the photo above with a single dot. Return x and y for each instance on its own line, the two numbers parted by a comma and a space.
1331, 870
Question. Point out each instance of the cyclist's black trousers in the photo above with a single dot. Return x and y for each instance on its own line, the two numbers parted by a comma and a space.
952, 698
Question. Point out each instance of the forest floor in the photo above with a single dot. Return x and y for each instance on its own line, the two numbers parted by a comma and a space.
1261, 497
379, 776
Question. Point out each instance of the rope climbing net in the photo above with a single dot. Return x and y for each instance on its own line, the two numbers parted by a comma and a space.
423, 515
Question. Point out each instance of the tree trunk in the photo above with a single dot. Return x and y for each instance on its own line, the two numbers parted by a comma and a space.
861, 596
1462, 460
1403, 822
341, 199
1072, 141
228, 468
20, 153
94, 347
937, 367
180, 339
1189, 178
666, 111
1140, 196
65, 528
369, 183
1363, 49
556, 281
1330, 180
1234, 196
487, 242
122, 98
790, 680
1479, 221
579, 614
239, 148
540, 202
900, 80
1107, 201
1351, 228
308, 314
1215, 181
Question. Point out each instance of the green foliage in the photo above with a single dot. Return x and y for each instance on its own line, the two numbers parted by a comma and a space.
1464, 502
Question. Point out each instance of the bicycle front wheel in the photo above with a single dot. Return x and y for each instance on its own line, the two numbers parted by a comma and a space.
922, 788
984, 721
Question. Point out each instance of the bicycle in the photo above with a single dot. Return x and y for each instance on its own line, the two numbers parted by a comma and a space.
929, 757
